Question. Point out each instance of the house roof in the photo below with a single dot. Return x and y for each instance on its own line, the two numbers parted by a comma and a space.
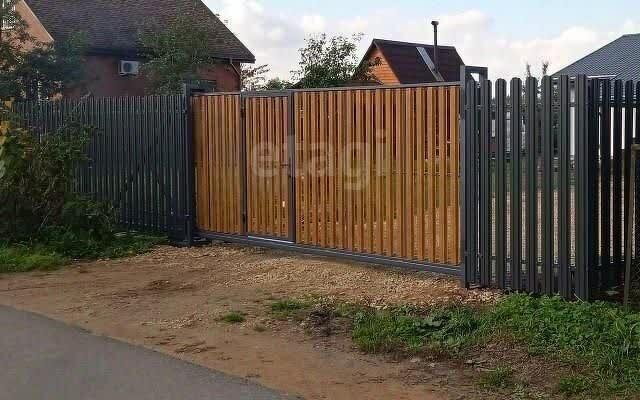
114, 26
410, 66
619, 59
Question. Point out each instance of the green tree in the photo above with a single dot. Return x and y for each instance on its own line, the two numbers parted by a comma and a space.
331, 62
253, 78
277, 84
175, 55
32, 70
544, 69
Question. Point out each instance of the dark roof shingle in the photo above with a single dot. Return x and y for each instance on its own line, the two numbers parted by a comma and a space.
116, 25
619, 59
409, 66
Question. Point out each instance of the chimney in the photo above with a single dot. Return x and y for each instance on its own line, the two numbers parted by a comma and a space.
435, 44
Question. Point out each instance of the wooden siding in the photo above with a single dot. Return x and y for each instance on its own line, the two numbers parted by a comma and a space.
383, 72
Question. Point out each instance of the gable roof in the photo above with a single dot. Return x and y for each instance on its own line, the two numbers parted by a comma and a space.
409, 65
619, 59
114, 26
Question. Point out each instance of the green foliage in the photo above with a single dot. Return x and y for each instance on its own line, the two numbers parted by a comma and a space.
398, 330
277, 84
37, 180
287, 308
58, 249
25, 258
33, 70
175, 54
234, 317
253, 78
499, 378
288, 305
330, 62
574, 385
600, 338
600, 335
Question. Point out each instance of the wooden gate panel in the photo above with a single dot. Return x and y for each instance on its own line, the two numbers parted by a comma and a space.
378, 171
217, 130
267, 123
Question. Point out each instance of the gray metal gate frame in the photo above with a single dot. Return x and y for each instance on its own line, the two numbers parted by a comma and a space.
290, 243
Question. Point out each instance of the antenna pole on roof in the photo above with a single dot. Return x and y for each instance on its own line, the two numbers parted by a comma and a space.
435, 44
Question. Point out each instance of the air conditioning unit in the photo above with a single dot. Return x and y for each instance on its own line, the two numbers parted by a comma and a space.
129, 68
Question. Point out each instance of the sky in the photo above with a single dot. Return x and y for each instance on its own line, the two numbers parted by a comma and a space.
501, 35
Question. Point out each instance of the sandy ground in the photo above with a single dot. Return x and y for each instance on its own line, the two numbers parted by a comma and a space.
171, 301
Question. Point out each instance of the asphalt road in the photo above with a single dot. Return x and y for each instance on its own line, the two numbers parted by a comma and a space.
45, 359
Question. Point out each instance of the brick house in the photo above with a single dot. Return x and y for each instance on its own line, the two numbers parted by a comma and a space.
113, 28
409, 63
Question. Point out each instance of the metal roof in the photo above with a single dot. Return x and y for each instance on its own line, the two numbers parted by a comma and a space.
619, 59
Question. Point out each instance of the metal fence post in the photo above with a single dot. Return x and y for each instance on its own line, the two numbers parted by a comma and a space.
189, 168
463, 173
581, 278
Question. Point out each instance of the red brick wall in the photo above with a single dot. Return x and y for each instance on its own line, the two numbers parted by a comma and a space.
102, 79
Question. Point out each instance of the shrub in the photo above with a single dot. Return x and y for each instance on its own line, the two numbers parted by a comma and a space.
37, 180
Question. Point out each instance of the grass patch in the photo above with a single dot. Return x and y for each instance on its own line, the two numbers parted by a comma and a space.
402, 330
25, 259
573, 385
289, 308
234, 317
499, 378
599, 338
55, 253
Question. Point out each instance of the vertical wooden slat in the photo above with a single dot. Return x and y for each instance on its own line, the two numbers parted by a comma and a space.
332, 149
388, 176
442, 171
297, 116
399, 170
366, 179
340, 169
252, 134
379, 170
431, 184
420, 170
409, 143
307, 167
322, 168
358, 168
454, 129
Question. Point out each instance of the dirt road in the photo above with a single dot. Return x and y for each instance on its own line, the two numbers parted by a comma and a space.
171, 300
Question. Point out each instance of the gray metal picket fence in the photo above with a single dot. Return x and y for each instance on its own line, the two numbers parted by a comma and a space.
545, 178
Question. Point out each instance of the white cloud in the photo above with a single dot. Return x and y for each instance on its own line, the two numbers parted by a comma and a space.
275, 36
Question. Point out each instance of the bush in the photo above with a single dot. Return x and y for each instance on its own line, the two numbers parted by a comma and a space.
39, 210
37, 180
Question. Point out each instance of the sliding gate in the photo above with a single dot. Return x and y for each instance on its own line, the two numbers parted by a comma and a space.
365, 173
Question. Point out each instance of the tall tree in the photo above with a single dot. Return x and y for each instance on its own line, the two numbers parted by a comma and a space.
330, 62
30, 69
253, 78
175, 54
